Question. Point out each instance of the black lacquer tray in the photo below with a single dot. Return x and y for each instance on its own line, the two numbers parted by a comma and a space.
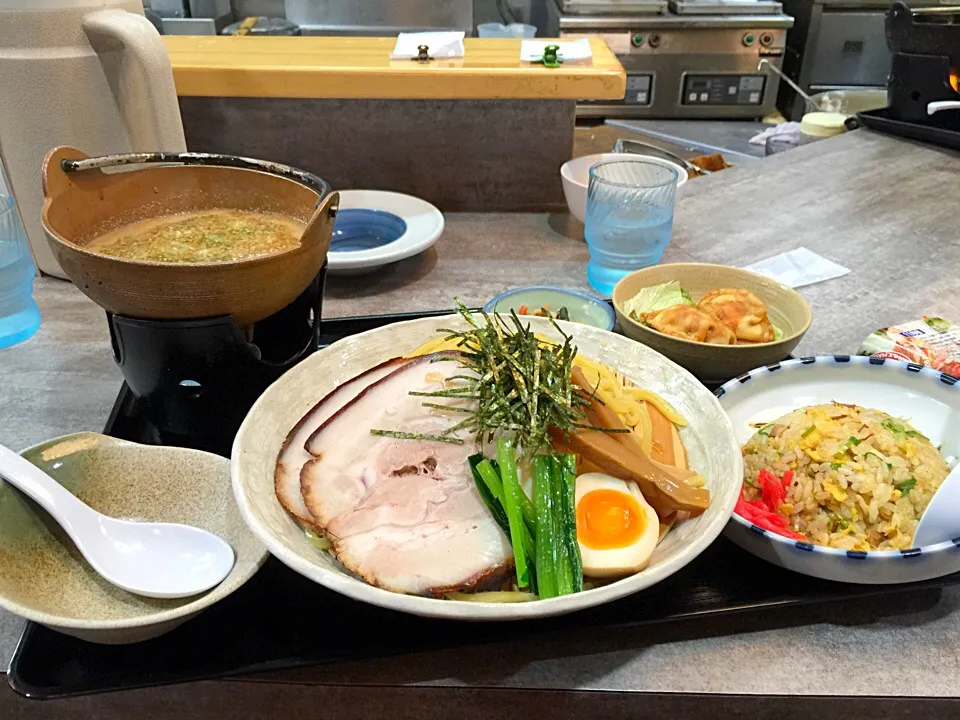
263, 625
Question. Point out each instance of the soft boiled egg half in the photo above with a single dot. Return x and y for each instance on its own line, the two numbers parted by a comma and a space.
617, 529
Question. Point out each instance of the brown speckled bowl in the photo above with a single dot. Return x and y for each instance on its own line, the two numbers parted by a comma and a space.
44, 578
716, 363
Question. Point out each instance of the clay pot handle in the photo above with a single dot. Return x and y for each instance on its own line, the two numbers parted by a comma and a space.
320, 228
56, 181
317, 184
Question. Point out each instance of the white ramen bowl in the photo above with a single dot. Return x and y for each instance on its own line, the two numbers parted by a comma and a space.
709, 439
929, 399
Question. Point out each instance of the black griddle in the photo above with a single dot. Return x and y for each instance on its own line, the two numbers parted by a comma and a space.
925, 44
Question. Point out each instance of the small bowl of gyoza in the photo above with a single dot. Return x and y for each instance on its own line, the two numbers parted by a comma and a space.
716, 321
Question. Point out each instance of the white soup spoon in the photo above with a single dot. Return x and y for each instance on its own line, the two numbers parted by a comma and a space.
158, 560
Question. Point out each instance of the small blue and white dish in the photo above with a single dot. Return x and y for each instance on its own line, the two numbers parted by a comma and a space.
581, 307
931, 401
374, 228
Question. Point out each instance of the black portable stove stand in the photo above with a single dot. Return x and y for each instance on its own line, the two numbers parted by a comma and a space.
926, 46
198, 378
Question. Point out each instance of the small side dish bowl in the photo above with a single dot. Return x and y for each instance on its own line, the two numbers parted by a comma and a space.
929, 398
44, 578
575, 175
716, 363
583, 308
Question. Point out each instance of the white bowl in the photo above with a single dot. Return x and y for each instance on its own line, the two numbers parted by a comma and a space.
711, 446
930, 400
576, 177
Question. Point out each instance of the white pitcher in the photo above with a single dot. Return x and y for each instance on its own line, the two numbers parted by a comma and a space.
93, 74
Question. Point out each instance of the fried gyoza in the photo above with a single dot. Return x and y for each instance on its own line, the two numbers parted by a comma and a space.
689, 323
711, 163
741, 311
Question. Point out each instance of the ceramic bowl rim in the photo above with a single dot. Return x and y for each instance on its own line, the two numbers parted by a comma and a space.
793, 294
807, 547
360, 591
424, 221
566, 173
608, 310
206, 600
243, 261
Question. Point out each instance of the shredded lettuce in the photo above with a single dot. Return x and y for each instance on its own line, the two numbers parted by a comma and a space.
657, 297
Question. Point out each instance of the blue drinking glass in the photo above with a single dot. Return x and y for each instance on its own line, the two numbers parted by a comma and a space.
19, 314
629, 218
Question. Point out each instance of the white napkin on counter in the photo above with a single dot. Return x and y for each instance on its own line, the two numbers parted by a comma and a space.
798, 268
532, 50
790, 129
441, 44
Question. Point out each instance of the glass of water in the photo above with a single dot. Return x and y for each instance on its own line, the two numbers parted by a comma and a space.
629, 218
19, 314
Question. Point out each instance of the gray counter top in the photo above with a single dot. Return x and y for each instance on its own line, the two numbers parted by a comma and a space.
872, 203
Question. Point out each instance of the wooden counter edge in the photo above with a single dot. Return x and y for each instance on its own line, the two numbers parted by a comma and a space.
359, 68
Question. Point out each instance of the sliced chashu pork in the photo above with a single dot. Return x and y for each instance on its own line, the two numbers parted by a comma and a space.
293, 455
404, 514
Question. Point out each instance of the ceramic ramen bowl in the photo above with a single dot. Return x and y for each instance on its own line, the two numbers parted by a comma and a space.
708, 438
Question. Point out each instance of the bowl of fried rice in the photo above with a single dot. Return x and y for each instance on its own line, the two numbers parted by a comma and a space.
841, 457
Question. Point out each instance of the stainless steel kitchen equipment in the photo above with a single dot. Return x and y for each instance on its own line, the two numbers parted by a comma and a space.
625, 145
378, 17
684, 58
190, 17
318, 17
836, 45
611, 7
264, 26
764, 64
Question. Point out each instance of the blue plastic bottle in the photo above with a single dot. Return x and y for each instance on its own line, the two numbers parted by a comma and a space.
19, 314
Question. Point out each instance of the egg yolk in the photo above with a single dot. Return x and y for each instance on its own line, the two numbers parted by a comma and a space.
609, 519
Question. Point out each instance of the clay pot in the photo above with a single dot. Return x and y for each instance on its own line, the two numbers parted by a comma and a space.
82, 202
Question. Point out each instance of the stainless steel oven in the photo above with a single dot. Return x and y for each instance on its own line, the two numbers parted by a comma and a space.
685, 59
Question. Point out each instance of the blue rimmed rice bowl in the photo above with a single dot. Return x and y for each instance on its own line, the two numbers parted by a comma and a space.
923, 404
